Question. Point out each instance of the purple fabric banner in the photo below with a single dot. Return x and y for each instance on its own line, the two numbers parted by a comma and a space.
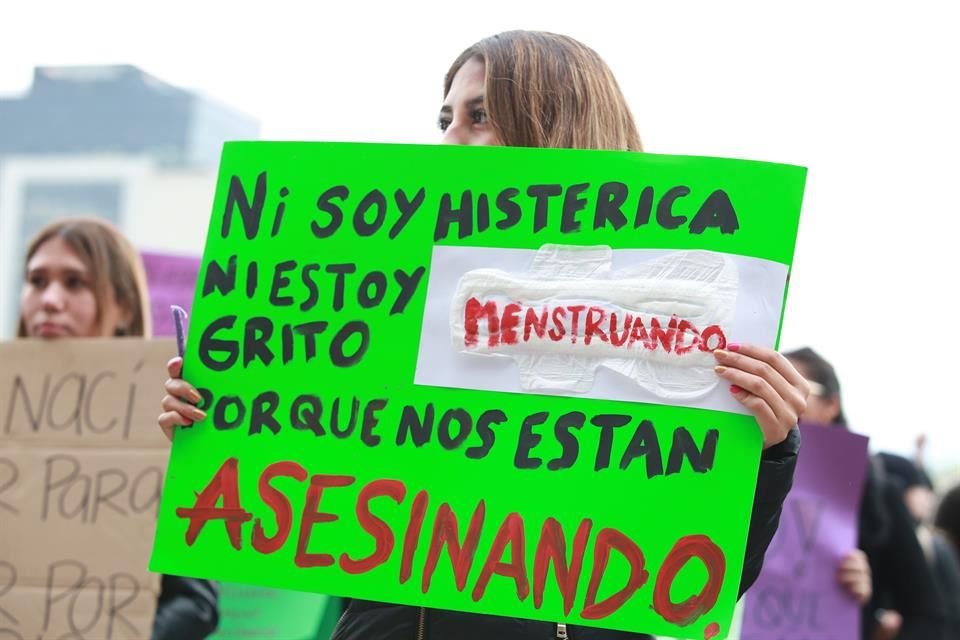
797, 596
171, 280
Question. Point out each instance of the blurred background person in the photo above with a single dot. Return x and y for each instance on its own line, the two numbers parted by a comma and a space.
83, 279
904, 602
917, 490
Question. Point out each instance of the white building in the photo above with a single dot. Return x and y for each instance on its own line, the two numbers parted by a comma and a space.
111, 142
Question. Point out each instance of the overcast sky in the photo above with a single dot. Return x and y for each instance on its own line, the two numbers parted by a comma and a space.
863, 93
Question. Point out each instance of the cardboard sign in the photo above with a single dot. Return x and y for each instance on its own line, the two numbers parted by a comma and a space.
797, 594
81, 467
480, 379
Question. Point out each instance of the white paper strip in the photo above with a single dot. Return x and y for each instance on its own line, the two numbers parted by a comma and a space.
508, 291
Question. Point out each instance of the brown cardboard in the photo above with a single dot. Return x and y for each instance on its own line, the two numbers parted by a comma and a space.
81, 464
99, 611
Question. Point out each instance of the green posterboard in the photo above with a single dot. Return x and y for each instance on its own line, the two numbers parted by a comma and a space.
402, 406
256, 613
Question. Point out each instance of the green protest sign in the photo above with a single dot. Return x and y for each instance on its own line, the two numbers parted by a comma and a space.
480, 379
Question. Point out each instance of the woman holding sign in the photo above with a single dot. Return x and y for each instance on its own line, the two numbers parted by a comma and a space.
896, 589
539, 89
85, 280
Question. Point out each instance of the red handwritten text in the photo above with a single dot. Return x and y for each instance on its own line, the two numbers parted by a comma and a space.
457, 537
579, 323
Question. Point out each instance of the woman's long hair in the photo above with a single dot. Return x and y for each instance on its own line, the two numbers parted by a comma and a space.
820, 371
549, 90
112, 262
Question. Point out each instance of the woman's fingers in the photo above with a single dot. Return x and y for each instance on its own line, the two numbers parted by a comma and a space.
784, 389
758, 406
767, 384
753, 383
776, 360
185, 409
856, 559
180, 388
169, 420
853, 574
175, 367
178, 403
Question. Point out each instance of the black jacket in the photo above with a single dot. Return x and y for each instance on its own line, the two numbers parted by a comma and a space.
946, 577
378, 621
902, 579
187, 609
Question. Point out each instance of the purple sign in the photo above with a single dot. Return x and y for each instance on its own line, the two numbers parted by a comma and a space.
797, 595
171, 280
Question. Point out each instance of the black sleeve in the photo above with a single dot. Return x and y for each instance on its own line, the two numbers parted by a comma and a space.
187, 609
902, 579
774, 480
946, 574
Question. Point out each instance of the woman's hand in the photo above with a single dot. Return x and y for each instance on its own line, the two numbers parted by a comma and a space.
178, 404
853, 574
767, 384
889, 623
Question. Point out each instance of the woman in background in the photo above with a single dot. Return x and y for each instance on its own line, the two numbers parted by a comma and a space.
903, 602
83, 279
919, 497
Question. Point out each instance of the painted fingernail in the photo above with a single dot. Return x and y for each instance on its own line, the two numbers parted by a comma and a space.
199, 414
734, 346
719, 368
734, 389
195, 395
720, 353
